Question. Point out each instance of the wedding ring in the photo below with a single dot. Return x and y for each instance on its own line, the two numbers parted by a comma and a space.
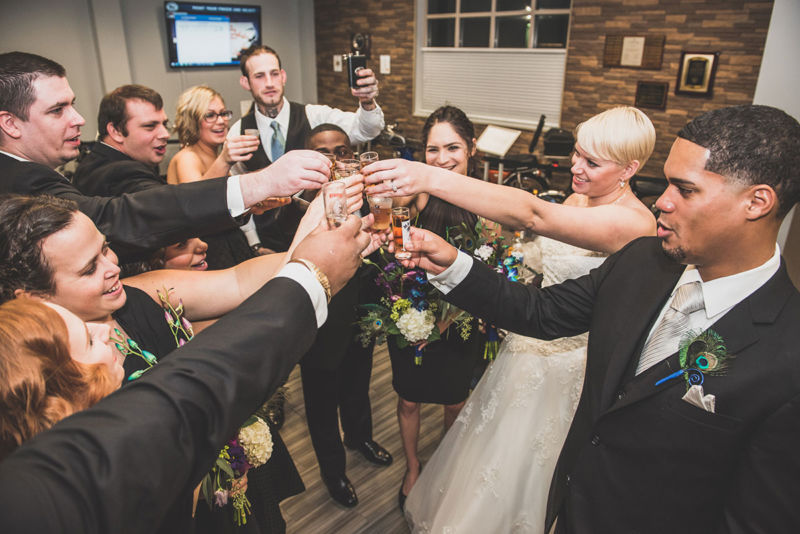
394, 186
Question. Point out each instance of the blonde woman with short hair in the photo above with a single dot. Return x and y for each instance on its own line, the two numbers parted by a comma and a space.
202, 122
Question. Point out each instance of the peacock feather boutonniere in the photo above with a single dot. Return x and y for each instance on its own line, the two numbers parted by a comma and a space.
700, 354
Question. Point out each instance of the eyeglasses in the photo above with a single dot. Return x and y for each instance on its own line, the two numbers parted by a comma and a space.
212, 116
339, 152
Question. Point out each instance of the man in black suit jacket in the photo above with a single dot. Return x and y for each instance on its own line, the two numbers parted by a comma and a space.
40, 130
336, 372
638, 456
114, 468
134, 130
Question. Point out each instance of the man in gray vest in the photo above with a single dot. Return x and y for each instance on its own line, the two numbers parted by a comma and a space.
284, 126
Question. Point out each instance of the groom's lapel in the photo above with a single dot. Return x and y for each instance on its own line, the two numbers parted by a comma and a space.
634, 325
736, 328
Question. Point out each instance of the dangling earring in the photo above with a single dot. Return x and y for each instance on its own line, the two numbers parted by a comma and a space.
622, 184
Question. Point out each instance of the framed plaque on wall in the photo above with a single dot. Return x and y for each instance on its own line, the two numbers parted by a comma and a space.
696, 72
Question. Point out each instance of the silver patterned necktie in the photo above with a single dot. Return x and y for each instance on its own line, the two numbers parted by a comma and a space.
675, 323
278, 141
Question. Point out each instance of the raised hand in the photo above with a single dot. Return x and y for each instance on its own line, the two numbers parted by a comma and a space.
336, 252
367, 88
397, 177
239, 148
428, 251
294, 171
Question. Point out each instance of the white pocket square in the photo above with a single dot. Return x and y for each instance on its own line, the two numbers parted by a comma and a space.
696, 397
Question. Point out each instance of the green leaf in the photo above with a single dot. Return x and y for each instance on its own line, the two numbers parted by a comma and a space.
225, 467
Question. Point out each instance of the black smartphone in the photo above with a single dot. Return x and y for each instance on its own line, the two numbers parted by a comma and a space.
355, 62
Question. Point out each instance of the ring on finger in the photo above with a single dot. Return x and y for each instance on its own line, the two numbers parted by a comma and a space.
394, 187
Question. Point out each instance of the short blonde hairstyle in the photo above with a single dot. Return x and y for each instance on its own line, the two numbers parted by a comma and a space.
192, 105
622, 135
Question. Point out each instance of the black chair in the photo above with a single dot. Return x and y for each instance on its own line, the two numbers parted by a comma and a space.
524, 170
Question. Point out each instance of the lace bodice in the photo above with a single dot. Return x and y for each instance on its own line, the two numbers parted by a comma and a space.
559, 261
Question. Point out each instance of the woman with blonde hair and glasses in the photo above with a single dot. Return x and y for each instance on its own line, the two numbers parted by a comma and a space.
201, 122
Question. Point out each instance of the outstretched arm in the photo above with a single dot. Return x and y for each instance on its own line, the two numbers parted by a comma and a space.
603, 228
210, 294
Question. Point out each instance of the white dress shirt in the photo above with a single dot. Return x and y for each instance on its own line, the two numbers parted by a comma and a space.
360, 126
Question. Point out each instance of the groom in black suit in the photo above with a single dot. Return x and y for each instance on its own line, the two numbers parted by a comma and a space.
640, 457
40, 130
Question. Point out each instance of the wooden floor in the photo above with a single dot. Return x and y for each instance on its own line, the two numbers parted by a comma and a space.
377, 512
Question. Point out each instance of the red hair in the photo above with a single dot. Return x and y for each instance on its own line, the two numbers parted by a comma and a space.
40, 383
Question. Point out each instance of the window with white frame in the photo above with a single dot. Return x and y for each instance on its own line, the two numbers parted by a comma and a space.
502, 61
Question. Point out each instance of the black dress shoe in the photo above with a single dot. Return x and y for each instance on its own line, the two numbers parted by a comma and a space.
372, 452
341, 491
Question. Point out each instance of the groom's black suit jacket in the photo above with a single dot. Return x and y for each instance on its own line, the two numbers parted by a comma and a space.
119, 466
136, 223
638, 458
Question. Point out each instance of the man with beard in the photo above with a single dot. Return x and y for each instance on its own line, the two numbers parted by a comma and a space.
688, 417
284, 126
40, 130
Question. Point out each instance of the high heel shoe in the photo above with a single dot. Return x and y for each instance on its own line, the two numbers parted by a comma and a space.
401, 497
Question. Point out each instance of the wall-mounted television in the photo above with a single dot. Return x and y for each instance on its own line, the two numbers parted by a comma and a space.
210, 35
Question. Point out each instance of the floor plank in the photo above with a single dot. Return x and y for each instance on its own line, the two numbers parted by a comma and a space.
377, 510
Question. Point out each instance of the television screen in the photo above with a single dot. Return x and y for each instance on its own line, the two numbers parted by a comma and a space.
210, 35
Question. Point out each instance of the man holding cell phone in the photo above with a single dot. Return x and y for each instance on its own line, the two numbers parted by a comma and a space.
284, 125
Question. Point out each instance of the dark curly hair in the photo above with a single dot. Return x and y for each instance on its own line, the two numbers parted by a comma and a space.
751, 145
25, 222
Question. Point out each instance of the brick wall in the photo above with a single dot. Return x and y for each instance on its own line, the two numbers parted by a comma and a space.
736, 28
391, 25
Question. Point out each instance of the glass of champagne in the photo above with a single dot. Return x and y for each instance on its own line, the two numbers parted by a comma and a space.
381, 209
346, 167
401, 224
335, 200
367, 158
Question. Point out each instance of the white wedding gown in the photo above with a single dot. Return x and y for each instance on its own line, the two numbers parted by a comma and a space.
491, 473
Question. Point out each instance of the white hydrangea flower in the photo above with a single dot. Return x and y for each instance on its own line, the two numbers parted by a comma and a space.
483, 252
416, 325
256, 441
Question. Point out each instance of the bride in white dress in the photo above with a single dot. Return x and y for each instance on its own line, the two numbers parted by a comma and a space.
492, 471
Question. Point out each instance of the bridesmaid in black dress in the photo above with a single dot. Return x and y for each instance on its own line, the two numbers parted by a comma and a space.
447, 365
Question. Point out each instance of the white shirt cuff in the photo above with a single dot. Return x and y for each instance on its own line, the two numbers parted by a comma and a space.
300, 274
250, 232
235, 198
453, 275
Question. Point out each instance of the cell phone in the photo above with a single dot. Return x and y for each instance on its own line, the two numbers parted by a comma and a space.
355, 62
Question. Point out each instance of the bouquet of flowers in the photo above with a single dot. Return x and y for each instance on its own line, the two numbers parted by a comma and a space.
252, 447
485, 244
409, 309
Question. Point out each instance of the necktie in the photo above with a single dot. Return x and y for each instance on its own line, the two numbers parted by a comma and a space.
675, 323
278, 141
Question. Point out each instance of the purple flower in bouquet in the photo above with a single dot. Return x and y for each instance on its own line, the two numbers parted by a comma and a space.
238, 460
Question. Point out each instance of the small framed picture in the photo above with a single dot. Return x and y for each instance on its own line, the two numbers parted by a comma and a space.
651, 95
696, 73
